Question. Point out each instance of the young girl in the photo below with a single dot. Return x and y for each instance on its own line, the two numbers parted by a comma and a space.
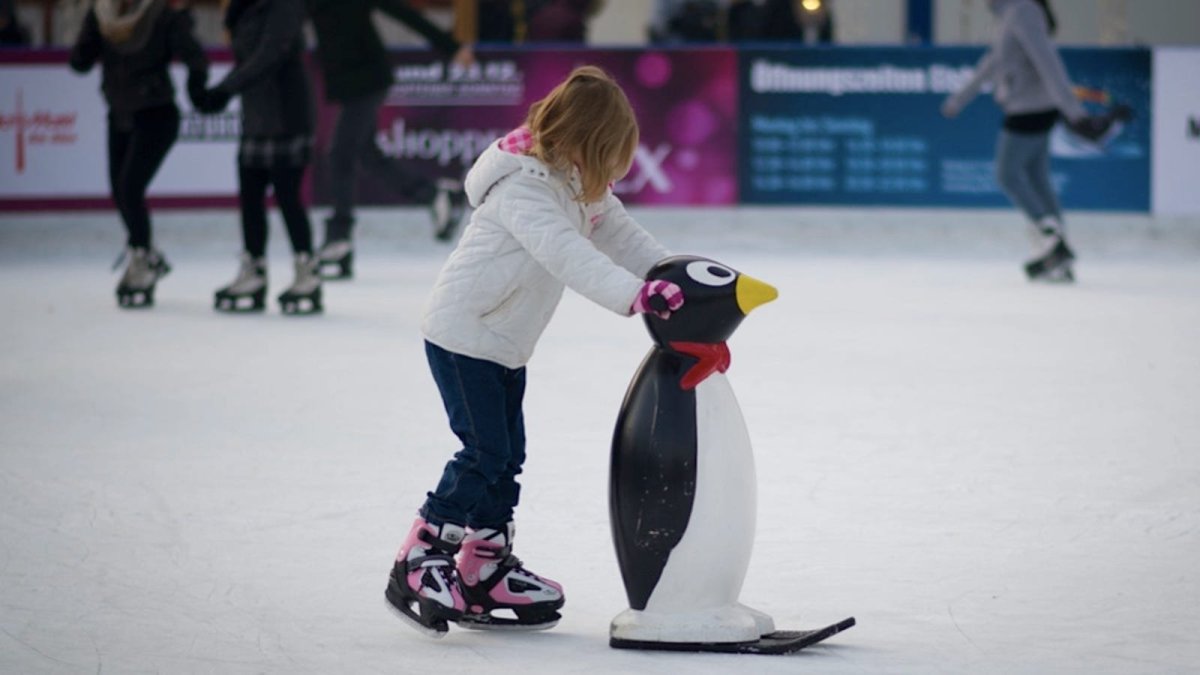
545, 218
135, 41
275, 147
1033, 90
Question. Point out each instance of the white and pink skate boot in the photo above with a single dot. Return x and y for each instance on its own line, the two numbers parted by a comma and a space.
423, 586
499, 592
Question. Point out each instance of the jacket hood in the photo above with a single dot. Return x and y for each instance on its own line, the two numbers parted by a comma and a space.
493, 166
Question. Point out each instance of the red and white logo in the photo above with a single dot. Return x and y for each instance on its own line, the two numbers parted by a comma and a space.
38, 127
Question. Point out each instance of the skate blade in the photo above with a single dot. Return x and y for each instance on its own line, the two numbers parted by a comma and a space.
291, 309
233, 307
335, 270
301, 305
495, 623
335, 274
436, 631
1059, 273
135, 299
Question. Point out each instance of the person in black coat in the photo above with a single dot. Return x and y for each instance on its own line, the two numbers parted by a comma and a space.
275, 146
358, 74
135, 41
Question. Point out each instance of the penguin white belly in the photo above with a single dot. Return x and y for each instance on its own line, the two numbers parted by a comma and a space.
696, 598
707, 566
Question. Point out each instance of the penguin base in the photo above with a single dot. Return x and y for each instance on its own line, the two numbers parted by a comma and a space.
778, 642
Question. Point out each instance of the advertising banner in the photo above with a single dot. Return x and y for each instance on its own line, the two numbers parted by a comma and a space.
1176, 130
437, 119
54, 141
862, 126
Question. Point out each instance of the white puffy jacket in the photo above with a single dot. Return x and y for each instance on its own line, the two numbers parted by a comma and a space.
527, 239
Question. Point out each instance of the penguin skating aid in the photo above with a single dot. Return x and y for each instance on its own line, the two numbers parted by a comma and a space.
682, 484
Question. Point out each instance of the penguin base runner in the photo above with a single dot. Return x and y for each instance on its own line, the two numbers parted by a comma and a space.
778, 642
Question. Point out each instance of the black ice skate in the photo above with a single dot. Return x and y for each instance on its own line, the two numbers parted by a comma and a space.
248, 292
1052, 258
499, 592
304, 295
136, 288
448, 208
1055, 266
336, 260
423, 586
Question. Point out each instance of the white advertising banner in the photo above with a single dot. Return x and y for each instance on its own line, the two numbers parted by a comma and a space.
1176, 131
54, 136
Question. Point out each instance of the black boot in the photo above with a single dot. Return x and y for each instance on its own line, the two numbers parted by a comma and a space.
336, 257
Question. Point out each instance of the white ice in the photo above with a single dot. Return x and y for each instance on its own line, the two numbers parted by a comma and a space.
992, 476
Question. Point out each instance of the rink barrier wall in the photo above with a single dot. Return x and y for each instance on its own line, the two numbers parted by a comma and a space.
720, 126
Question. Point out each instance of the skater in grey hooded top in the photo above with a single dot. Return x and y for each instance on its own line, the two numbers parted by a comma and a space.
1032, 88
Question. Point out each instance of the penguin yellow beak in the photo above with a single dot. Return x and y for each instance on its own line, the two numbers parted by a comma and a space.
751, 293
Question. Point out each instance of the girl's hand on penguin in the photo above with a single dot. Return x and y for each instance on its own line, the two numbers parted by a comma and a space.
658, 297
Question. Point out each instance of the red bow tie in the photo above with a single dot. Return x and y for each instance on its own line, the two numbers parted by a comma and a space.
711, 356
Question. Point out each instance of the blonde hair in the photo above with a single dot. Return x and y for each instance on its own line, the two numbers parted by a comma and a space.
587, 120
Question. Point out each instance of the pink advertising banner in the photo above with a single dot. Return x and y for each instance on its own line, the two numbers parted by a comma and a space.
53, 152
441, 118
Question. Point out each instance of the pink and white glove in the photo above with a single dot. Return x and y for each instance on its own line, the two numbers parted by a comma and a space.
658, 297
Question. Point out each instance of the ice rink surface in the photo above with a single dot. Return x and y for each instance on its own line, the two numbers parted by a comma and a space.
992, 476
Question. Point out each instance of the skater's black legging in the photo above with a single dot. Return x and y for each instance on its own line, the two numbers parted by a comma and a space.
353, 146
136, 148
285, 181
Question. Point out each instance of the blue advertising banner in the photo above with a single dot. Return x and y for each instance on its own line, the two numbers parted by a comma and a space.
862, 126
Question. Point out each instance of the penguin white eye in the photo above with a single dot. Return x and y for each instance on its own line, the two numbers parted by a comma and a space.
710, 273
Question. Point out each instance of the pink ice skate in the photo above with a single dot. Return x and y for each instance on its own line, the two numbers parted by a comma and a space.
501, 594
423, 587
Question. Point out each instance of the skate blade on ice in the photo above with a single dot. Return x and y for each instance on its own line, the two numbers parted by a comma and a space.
240, 304
436, 630
135, 299
301, 305
527, 622
335, 270
779, 642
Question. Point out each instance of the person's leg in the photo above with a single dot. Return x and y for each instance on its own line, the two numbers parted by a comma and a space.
1023, 169
252, 198
401, 177
352, 134
1040, 177
361, 121
1014, 154
424, 584
475, 394
503, 495
285, 181
154, 133
491, 578
247, 292
118, 148
304, 295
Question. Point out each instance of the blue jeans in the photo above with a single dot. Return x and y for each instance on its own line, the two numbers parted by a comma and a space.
483, 400
1023, 170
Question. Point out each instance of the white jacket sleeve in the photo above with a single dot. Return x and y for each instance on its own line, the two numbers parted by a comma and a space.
533, 215
625, 241
1029, 26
